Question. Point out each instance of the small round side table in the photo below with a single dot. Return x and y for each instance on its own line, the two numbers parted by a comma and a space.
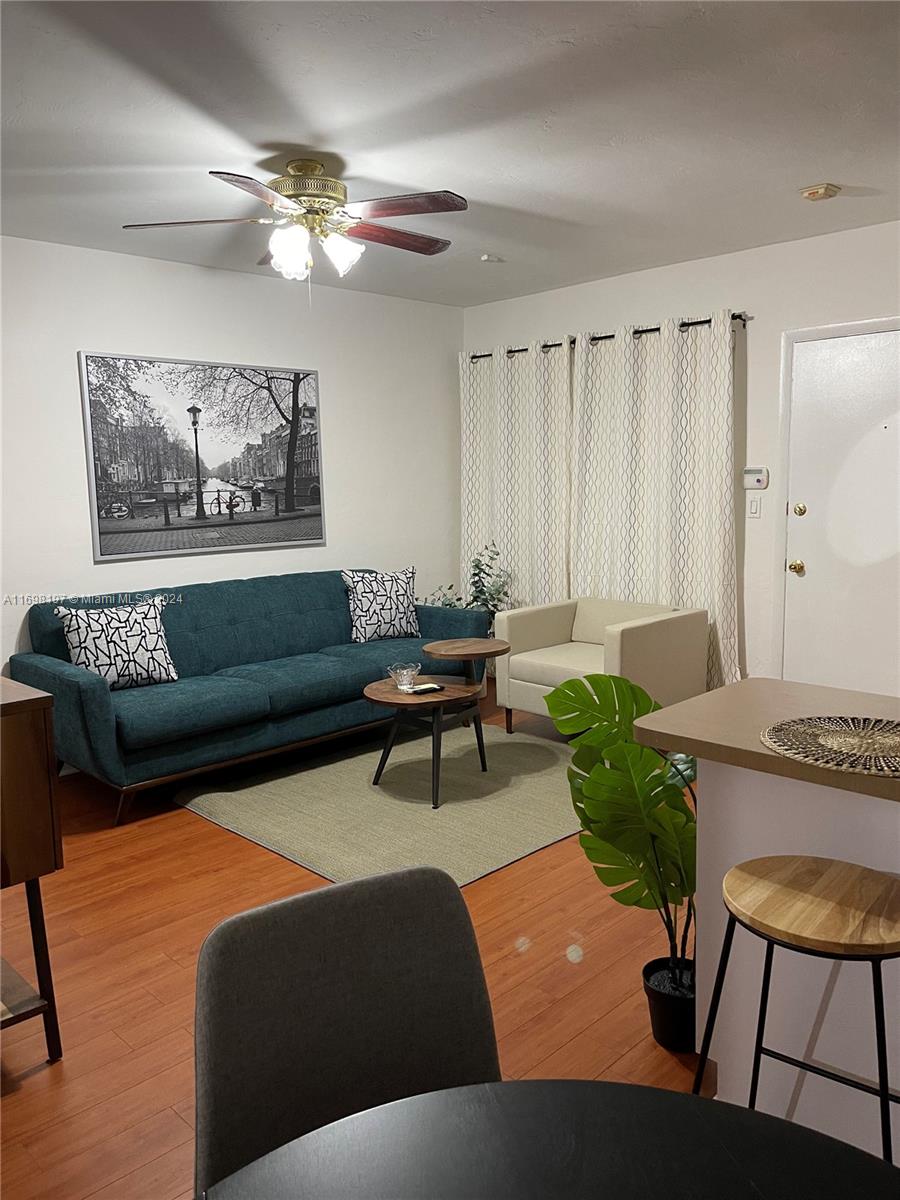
456, 703
468, 651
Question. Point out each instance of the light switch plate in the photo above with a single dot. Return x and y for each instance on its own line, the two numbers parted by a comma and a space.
754, 507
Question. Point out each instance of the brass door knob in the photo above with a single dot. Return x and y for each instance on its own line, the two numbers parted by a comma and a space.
798, 566
800, 510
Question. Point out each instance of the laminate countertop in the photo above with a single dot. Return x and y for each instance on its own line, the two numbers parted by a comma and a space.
724, 726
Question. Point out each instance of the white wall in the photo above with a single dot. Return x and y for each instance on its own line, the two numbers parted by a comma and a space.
388, 396
841, 277
388, 387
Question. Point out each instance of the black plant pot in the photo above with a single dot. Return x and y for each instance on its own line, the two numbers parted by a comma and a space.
671, 1010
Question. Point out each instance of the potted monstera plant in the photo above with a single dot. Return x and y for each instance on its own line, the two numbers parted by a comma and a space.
639, 832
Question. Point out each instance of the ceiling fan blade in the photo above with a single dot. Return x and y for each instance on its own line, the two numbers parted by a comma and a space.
213, 221
402, 239
265, 260
405, 206
260, 190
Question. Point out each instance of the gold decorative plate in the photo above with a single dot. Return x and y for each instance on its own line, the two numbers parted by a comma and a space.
863, 745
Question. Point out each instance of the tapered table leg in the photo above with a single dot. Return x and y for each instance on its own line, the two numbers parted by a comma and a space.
42, 967
388, 747
437, 728
479, 738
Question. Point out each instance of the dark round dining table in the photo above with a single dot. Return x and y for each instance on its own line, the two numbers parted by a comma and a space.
562, 1140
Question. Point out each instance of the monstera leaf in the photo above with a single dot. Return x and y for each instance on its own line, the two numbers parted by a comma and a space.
637, 887
639, 832
599, 709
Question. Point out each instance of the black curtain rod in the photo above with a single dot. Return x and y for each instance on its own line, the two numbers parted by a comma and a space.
608, 337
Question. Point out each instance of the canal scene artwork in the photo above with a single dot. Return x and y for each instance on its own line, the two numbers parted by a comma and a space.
196, 457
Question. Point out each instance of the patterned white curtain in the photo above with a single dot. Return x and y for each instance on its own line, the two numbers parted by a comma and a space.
653, 476
516, 433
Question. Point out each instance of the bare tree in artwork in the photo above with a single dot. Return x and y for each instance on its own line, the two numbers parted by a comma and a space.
239, 399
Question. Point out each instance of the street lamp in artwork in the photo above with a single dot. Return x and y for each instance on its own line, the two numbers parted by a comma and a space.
200, 514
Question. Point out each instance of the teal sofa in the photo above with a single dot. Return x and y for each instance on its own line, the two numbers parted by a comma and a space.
262, 664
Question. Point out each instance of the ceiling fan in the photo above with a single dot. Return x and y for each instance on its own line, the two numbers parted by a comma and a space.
306, 203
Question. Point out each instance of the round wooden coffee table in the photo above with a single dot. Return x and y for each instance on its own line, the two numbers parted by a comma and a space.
468, 651
456, 703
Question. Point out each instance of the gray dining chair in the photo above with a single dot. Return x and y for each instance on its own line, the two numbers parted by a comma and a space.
332, 1002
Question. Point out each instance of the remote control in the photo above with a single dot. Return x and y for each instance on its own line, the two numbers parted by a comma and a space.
421, 688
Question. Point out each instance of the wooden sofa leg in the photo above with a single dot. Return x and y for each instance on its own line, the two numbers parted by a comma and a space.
509, 727
125, 798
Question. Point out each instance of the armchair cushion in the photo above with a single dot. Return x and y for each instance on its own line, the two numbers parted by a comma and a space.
553, 665
593, 616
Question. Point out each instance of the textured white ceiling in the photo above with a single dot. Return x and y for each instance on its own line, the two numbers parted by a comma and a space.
591, 139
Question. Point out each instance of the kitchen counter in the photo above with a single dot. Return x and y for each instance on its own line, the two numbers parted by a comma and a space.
724, 726
753, 802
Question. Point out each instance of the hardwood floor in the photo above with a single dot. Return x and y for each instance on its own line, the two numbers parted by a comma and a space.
126, 918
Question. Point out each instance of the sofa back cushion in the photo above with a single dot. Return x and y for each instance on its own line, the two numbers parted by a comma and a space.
592, 617
210, 626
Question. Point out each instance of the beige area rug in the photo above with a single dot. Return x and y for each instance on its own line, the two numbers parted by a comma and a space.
325, 814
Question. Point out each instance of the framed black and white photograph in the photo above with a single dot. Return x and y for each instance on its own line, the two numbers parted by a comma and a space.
196, 457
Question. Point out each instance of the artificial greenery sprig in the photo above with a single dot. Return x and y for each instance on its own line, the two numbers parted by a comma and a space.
488, 585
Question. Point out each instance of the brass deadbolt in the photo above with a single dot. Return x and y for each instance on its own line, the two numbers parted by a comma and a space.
800, 510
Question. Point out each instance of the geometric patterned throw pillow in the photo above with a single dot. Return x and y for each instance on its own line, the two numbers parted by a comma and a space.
126, 644
382, 604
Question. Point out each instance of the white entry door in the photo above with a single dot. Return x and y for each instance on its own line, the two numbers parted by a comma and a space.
842, 571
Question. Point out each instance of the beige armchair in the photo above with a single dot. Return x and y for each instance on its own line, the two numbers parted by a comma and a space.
661, 649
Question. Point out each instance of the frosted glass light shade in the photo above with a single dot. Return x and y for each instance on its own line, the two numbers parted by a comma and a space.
343, 252
289, 247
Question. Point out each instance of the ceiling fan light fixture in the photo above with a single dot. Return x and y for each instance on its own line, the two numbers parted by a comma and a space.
343, 253
289, 247
305, 203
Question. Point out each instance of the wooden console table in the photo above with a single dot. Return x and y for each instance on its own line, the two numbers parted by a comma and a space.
30, 844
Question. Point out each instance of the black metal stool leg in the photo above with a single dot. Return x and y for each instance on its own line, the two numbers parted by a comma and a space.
714, 1003
388, 747
881, 1049
437, 728
761, 1023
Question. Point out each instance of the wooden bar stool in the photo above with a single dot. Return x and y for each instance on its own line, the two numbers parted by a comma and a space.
817, 906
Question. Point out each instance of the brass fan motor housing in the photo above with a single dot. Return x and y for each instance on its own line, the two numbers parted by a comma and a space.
307, 183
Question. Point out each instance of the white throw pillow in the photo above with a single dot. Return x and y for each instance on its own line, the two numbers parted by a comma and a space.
125, 644
382, 604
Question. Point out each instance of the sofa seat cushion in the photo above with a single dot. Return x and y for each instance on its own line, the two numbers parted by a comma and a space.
370, 660
167, 712
553, 665
299, 683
